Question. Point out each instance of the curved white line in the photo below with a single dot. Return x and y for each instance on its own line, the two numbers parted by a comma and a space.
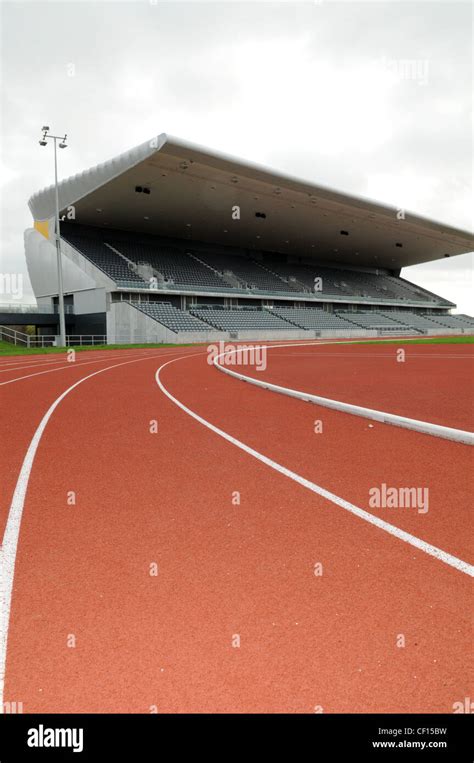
63, 361
74, 364
424, 427
8, 550
443, 556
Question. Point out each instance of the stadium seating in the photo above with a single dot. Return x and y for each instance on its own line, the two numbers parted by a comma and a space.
205, 317
312, 318
469, 319
174, 264
114, 266
454, 321
195, 265
371, 320
242, 319
413, 320
249, 273
171, 317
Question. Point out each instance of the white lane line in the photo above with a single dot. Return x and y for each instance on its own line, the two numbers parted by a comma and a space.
62, 361
422, 545
30, 365
368, 355
423, 427
8, 549
52, 358
102, 359
44, 359
75, 364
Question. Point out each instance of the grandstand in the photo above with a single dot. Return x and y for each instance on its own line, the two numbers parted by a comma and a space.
169, 316
170, 242
242, 319
313, 318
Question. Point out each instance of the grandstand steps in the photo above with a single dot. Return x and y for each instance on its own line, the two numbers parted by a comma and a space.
170, 317
276, 275
232, 279
302, 287
285, 318
132, 265
242, 319
414, 290
227, 281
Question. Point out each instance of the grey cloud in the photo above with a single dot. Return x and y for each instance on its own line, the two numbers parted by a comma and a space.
181, 68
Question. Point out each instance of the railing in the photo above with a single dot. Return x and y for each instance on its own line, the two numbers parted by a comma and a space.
18, 338
12, 336
305, 296
14, 307
81, 340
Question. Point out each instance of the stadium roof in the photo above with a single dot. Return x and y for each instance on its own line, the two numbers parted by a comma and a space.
189, 192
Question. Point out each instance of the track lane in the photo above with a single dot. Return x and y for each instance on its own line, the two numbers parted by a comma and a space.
433, 383
223, 570
22, 406
18, 375
349, 457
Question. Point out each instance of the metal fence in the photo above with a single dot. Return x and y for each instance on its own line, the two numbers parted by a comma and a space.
19, 307
19, 338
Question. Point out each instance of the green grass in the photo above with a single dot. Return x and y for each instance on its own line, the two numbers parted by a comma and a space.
10, 349
461, 339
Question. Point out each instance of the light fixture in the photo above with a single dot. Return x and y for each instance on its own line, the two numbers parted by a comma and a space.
57, 234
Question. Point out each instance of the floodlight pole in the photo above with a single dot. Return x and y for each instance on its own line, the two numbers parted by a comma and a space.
62, 321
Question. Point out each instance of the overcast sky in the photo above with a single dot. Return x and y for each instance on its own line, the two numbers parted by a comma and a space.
371, 98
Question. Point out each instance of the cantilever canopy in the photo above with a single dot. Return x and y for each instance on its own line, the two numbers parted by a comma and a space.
169, 187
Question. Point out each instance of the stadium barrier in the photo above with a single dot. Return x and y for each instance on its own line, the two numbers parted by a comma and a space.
424, 427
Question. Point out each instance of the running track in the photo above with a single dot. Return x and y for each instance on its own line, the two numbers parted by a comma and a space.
226, 570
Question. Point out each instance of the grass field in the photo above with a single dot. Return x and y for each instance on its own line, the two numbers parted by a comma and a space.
463, 339
10, 349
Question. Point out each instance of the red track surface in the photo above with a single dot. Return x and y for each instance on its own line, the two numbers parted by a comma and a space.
227, 569
434, 383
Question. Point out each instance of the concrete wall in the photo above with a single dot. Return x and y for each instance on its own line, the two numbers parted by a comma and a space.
89, 301
126, 325
78, 273
41, 260
449, 332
